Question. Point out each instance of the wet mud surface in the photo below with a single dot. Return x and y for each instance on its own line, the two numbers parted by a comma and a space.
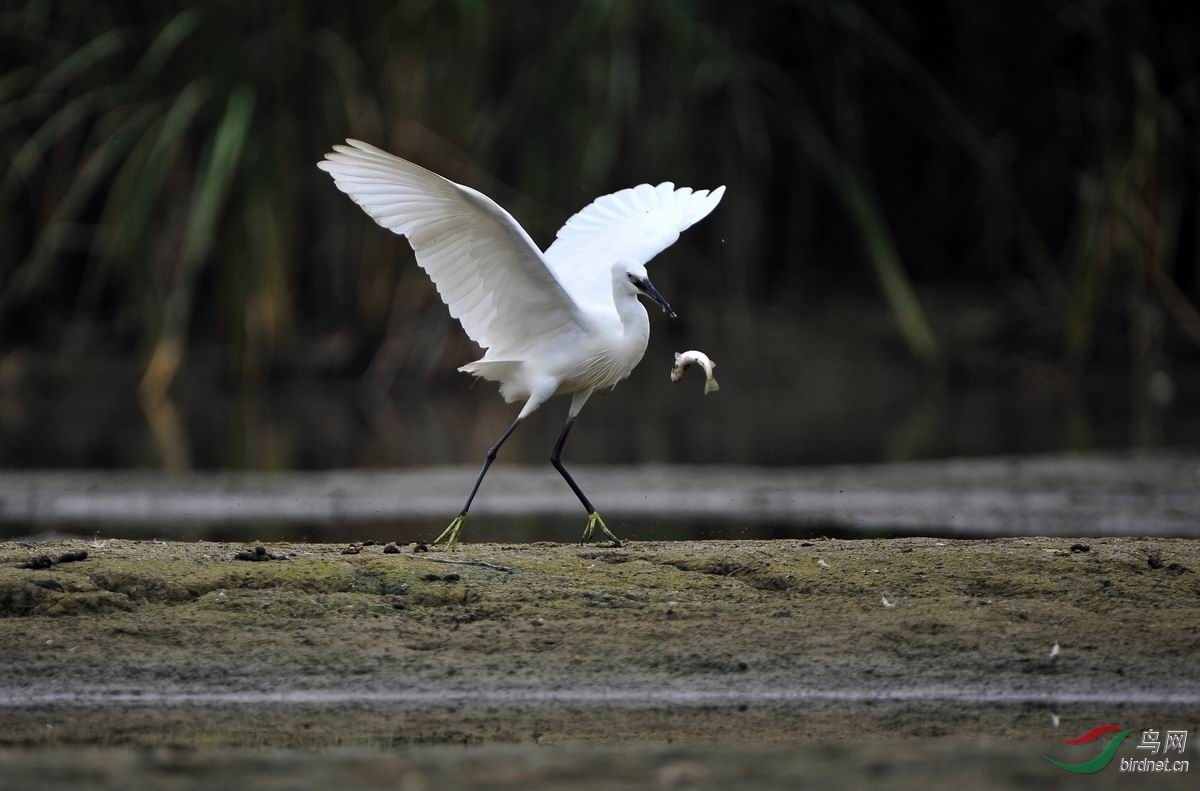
640, 654
866, 763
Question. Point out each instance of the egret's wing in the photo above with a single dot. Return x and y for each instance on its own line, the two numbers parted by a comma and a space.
487, 270
632, 225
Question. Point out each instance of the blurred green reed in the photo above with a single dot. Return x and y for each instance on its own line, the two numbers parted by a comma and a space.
157, 183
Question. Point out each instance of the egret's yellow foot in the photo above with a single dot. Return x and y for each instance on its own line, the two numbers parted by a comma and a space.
593, 522
450, 534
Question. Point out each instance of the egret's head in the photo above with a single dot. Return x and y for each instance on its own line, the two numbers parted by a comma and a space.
636, 275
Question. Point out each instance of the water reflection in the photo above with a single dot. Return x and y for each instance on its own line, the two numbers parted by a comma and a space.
835, 405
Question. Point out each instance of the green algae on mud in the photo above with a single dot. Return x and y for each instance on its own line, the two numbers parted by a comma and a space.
856, 621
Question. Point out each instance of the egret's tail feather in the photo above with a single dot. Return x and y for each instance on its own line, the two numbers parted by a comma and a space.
503, 371
491, 369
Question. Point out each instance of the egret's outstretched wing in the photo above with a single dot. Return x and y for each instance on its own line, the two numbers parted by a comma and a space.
632, 225
487, 270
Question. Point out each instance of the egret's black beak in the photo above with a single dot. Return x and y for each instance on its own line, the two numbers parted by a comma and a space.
646, 287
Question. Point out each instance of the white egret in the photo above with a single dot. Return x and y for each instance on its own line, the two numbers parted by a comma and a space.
564, 321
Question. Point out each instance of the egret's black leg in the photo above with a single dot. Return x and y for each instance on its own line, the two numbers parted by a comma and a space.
450, 534
556, 460
594, 519
488, 458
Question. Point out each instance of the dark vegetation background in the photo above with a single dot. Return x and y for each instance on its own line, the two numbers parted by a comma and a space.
950, 227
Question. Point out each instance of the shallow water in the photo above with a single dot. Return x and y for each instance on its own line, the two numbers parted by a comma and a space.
1058, 495
600, 697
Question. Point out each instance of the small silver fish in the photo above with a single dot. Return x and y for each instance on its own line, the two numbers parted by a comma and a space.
684, 360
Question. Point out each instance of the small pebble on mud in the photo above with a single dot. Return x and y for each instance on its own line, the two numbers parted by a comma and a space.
1080, 548
419, 547
391, 549
1155, 562
353, 549
258, 555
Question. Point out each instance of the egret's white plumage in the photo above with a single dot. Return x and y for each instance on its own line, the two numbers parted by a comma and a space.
564, 321
633, 225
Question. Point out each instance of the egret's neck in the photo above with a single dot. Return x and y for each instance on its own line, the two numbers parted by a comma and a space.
632, 312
